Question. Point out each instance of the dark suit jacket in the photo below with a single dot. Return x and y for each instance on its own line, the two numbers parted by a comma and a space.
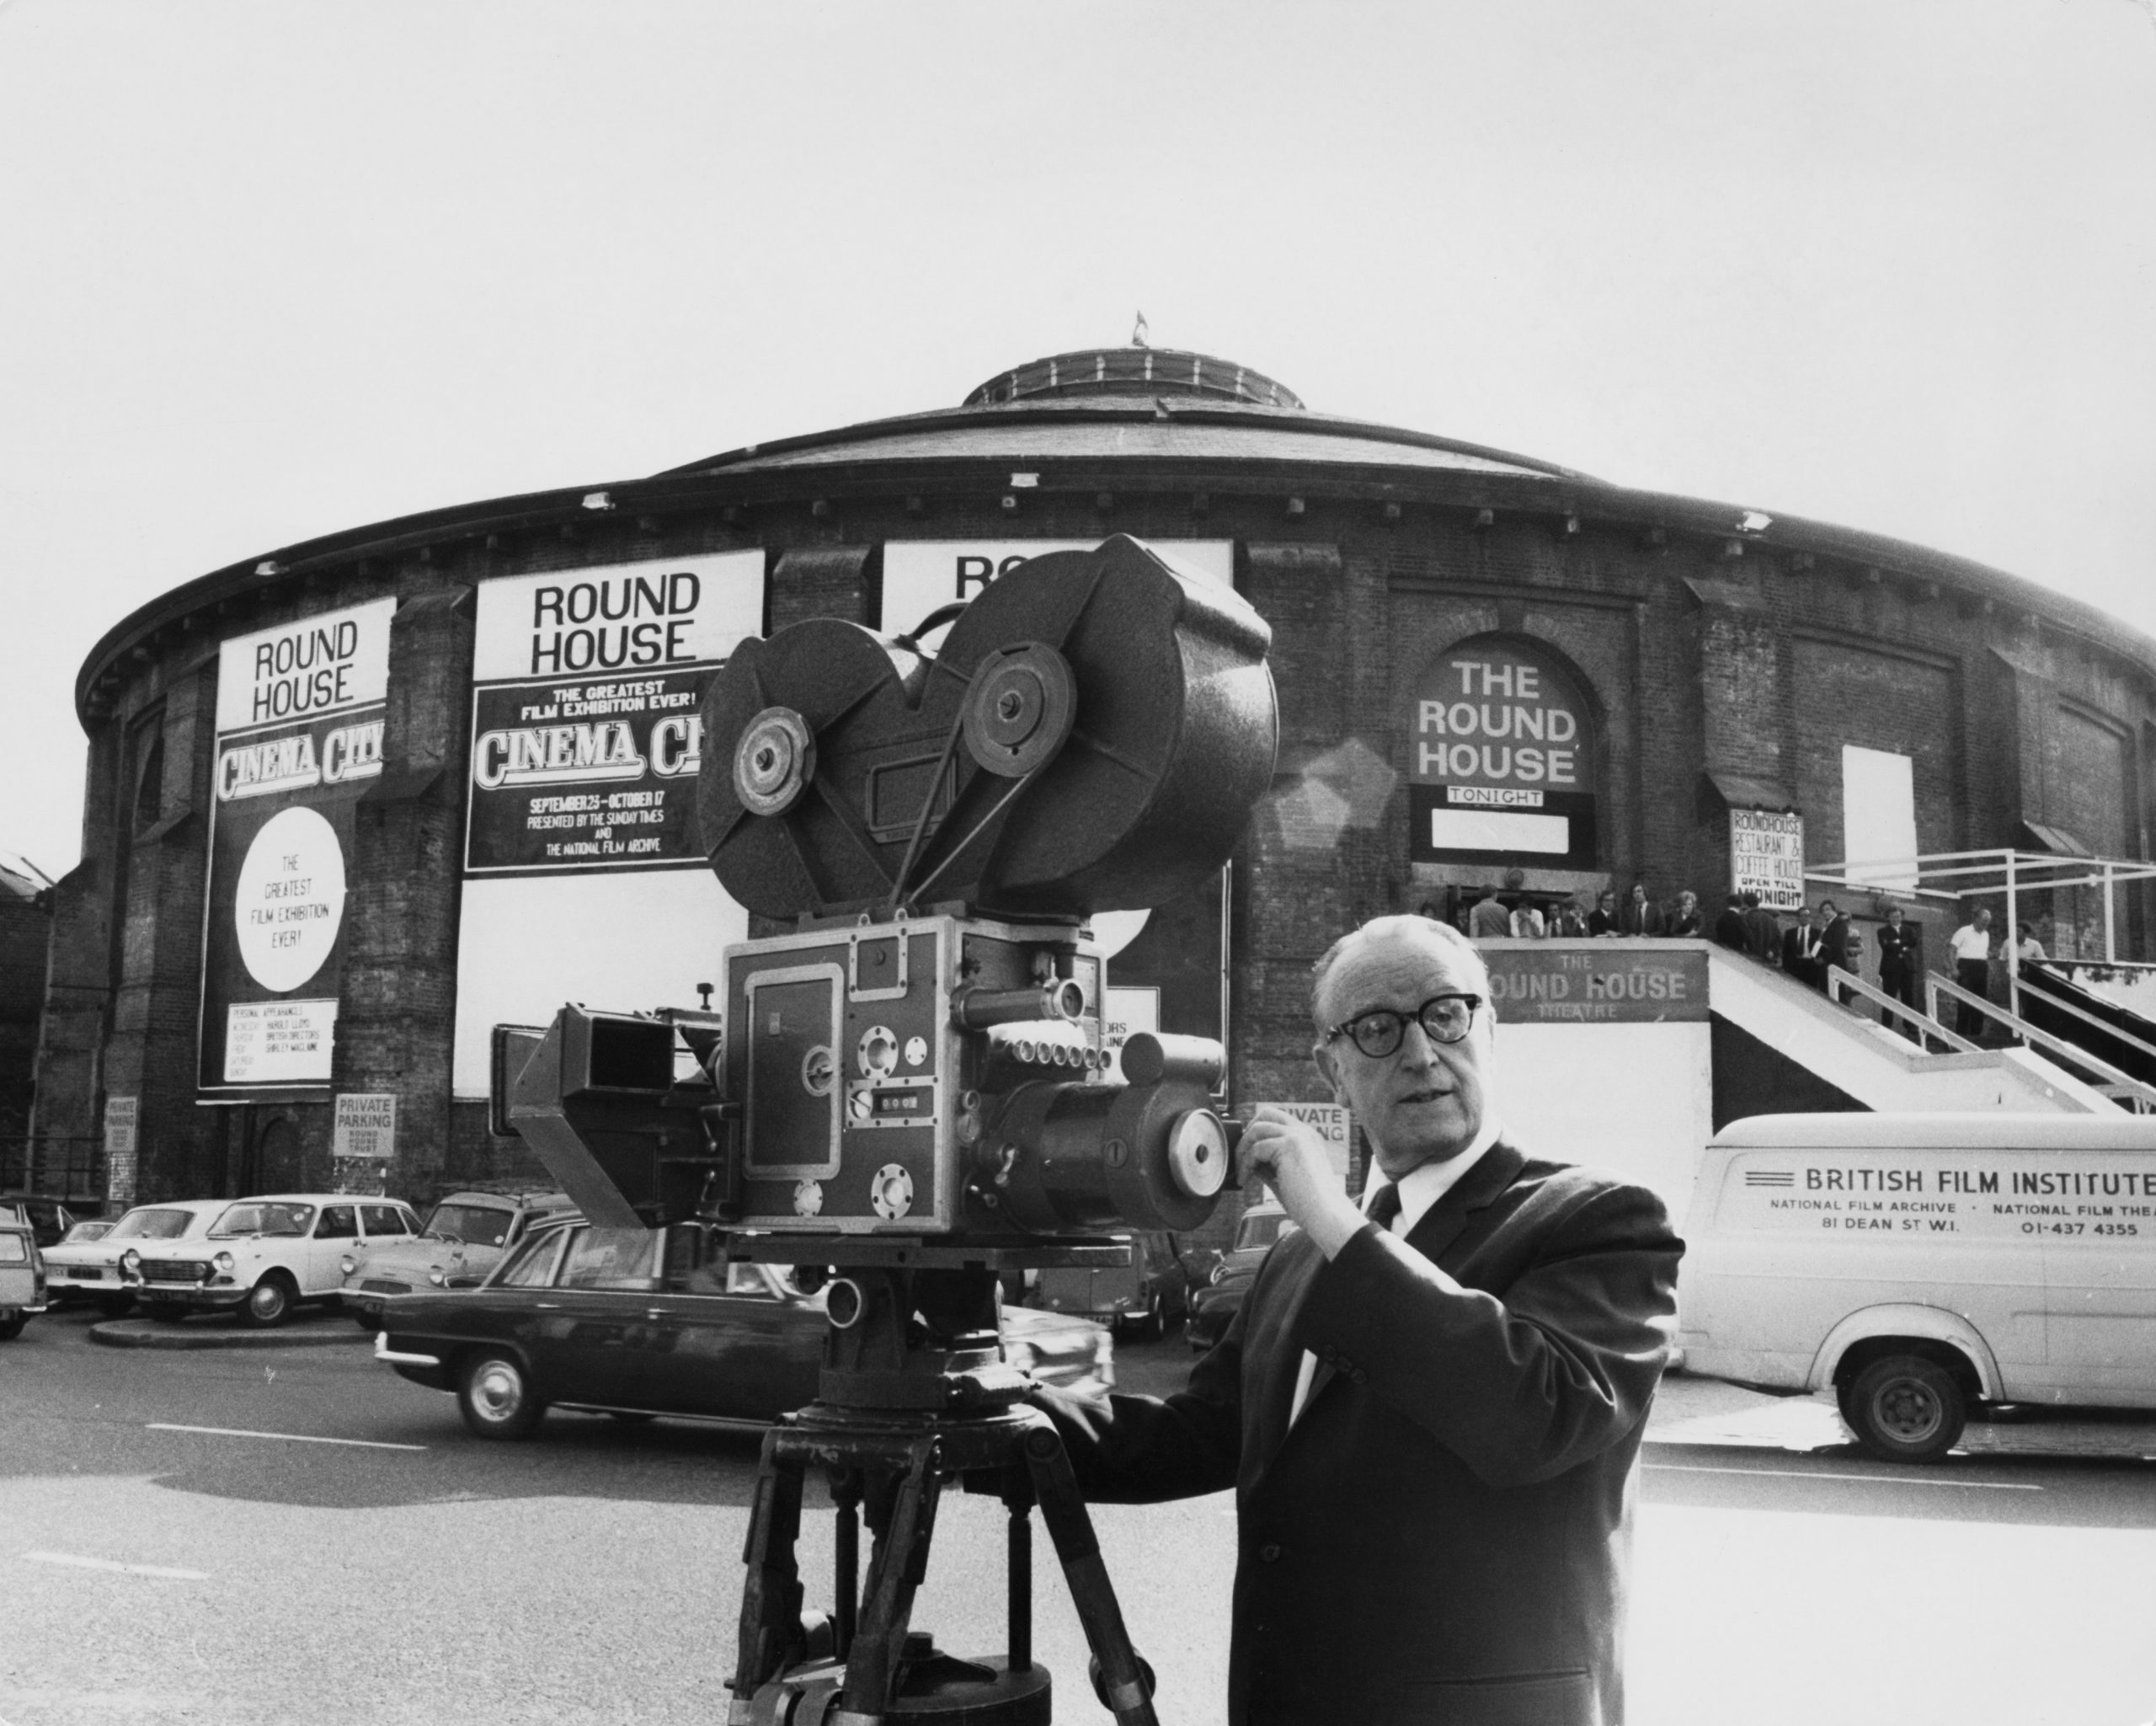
1443, 1536
1807, 967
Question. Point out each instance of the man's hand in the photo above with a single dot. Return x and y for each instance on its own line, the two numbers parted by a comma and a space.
1291, 1159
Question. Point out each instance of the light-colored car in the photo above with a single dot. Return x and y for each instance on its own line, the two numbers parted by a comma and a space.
82, 1271
150, 1233
22, 1278
261, 1257
466, 1235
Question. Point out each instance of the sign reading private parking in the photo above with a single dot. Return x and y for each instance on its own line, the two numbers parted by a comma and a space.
301, 716
1501, 768
585, 737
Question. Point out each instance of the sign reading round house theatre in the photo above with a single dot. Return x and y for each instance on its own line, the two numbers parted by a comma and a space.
1503, 761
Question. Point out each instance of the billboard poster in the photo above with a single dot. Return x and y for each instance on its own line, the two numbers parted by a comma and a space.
1502, 760
1766, 856
585, 738
299, 724
919, 574
583, 881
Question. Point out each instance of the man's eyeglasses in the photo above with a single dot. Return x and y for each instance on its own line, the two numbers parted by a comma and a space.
1444, 1018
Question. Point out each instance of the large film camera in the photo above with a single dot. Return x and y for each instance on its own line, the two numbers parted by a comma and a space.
908, 1092
923, 1059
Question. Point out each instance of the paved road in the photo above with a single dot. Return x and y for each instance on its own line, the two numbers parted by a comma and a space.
150, 1573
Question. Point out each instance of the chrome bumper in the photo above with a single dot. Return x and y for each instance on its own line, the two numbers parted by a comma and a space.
392, 1357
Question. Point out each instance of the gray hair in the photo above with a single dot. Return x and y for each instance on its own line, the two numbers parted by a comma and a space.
1443, 932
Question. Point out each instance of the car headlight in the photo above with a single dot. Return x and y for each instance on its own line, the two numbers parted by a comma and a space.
435, 1276
223, 1261
348, 1265
131, 1260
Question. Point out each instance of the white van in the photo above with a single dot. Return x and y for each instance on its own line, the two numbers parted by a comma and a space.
1917, 1262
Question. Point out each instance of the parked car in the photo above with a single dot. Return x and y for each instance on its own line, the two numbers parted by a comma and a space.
1213, 1306
50, 1219
81, 1271
637, 1322
265, 1256
99, 1273
1143, 1297
21, 1277
466, 1235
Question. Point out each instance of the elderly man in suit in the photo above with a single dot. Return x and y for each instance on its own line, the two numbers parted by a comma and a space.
1431, 1410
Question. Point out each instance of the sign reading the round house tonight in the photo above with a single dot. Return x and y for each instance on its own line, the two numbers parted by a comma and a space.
289, 900
1501, 761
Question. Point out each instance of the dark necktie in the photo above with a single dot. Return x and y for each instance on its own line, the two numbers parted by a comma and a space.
1385, 1206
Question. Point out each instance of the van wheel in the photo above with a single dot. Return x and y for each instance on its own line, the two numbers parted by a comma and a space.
11, 1327
1905, 1409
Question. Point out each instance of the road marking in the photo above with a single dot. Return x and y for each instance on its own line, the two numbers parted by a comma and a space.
81, 1563
296, 1437
1991, 1486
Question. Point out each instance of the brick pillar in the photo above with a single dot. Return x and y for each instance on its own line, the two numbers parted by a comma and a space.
1741, 707
399, 997
1295, 891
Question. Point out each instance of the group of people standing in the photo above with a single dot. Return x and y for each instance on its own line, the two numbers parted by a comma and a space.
1490, 918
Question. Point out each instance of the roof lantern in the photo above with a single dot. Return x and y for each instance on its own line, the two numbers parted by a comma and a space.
1133, 370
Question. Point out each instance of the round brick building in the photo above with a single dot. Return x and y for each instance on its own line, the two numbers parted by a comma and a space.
352, 801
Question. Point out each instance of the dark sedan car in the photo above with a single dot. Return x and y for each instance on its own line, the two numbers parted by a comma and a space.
1214, 1305
642, 1321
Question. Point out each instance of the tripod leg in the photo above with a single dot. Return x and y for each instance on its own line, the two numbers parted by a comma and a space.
1128, 1686
1018, 1500
898, 1568
845, 1494
770, 1597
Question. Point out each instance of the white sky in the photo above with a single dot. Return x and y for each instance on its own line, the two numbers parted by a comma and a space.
275, 269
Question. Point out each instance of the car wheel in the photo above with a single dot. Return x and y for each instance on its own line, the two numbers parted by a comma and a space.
114, 1305
496, 1398
167, 1311
269, 1303
1905, 1409
12, 1327
364, 1322
1150, 1327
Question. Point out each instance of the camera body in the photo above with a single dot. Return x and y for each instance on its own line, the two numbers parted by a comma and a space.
1091, 737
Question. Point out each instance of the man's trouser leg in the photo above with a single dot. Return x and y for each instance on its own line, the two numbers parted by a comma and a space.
1973, 975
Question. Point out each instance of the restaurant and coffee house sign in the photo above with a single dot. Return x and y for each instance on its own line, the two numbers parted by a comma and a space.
1500, 760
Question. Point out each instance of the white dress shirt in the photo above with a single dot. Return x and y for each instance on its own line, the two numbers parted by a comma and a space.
1420, 1188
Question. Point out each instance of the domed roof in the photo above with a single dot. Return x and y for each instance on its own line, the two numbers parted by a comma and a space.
1133, 370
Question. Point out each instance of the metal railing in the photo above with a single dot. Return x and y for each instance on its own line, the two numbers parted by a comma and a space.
65, 1165
2115, 1082
1925, 1024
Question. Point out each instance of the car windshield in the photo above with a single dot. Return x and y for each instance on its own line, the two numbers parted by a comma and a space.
1260, 1229
152, 1226
476, 1224
83, 1232
259, 1218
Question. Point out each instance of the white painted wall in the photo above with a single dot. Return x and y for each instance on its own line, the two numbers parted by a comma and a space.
1636, 1099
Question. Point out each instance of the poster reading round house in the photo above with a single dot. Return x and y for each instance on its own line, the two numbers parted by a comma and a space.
299, 719
1621, 983
1501, 752
585, 738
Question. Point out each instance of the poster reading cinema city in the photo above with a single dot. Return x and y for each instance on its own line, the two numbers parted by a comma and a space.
1503, 761
585, 737
300, 715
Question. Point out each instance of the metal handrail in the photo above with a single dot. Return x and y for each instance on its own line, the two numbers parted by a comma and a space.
2067, 1054
2063, 1005
1926, 1026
